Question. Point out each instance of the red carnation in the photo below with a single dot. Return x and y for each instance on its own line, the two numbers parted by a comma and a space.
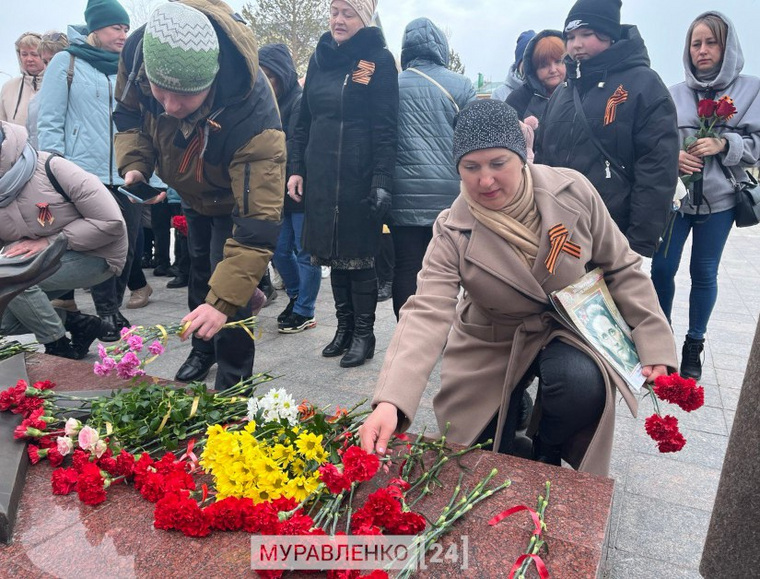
407, 524
297, 524
35, 454
125, 464
359, 466
27, 405
706, 108
152, 487
179, 479
226, 515
661, 428
179, 511
330, 475
91, 485
143, 466
44, 385
64, 480
362, 520
384, 506
55, 457
260, 518
673, 444
681, 391
179, 222
80, 459
725, 108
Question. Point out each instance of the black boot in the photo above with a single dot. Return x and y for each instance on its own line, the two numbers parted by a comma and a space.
364, 298
110, 329
344, 311
546, 453
61, 348
265, 285
691, 358
84, 330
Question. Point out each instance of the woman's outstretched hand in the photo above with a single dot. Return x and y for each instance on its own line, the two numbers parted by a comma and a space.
378, 428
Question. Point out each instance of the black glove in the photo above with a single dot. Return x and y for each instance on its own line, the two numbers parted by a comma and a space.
379, 202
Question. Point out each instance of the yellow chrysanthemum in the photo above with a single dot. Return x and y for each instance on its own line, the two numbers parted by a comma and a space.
310, 445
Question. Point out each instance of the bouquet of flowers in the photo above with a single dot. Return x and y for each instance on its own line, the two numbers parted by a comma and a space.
141, 345
9, 348
710, 113
683, 392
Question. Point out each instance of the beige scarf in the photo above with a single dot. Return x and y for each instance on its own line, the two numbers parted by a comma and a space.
519, 222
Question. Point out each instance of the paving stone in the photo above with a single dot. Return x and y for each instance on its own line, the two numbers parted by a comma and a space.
650, 526
730, 397
626, 565
731, 379
702, 448
676, 482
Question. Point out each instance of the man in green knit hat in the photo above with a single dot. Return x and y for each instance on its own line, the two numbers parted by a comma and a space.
194, 106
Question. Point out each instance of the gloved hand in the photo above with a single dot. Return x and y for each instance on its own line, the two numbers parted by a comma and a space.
379, 202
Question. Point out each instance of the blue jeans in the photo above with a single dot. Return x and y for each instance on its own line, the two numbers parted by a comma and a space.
709, 235
32, 312
301, 278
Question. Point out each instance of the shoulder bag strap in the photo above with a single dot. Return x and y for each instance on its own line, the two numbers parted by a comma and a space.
436, 83
51, 177
70, 73
581, 116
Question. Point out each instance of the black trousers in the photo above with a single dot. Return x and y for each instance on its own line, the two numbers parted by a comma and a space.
109, 294
384, 260
233, 349
572, 394
410, 244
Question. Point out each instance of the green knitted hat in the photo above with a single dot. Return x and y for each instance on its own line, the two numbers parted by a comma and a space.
102, 13
181, 49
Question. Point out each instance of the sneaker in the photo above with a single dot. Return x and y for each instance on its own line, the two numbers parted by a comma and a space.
296, 323
139, 297
287, 311
325, 271
70, 305
691, 358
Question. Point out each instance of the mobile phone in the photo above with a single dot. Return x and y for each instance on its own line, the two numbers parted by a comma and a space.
140, 191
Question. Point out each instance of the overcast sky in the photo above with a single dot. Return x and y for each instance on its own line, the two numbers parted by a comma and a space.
482, 31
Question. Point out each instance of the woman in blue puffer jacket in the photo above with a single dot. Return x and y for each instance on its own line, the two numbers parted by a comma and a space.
425, 180
76, 106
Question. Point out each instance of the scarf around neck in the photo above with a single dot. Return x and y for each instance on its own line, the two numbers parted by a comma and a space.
18, 175
105, 61
518, 223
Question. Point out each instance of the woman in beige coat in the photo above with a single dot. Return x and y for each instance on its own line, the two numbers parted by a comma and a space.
494, 243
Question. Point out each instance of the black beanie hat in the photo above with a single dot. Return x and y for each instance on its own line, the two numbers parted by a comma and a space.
601, 16
486, 124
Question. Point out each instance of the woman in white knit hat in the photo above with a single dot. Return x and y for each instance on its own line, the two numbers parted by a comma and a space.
342, 163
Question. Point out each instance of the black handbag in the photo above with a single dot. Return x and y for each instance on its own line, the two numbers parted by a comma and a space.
747, 209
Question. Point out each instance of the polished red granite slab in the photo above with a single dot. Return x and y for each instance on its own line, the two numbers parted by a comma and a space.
60, 536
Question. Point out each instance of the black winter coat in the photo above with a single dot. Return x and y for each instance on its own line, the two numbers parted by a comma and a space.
631, 112
277, 58
531, 98
426, 180
345, 143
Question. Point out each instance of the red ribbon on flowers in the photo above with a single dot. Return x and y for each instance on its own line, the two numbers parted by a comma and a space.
543, 572
189, 454
204, 486
533, 515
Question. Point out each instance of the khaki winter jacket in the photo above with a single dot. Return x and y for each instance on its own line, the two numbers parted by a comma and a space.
91, 221
490, 338
226, 158
15, 96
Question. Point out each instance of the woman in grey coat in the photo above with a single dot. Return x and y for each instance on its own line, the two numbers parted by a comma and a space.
425, 180
713, 62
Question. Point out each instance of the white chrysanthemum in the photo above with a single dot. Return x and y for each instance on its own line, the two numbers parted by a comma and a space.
275, 405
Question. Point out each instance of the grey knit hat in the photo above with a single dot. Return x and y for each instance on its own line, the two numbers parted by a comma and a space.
487, 124
181, 49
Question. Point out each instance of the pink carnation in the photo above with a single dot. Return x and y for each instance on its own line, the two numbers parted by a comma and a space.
156, 348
